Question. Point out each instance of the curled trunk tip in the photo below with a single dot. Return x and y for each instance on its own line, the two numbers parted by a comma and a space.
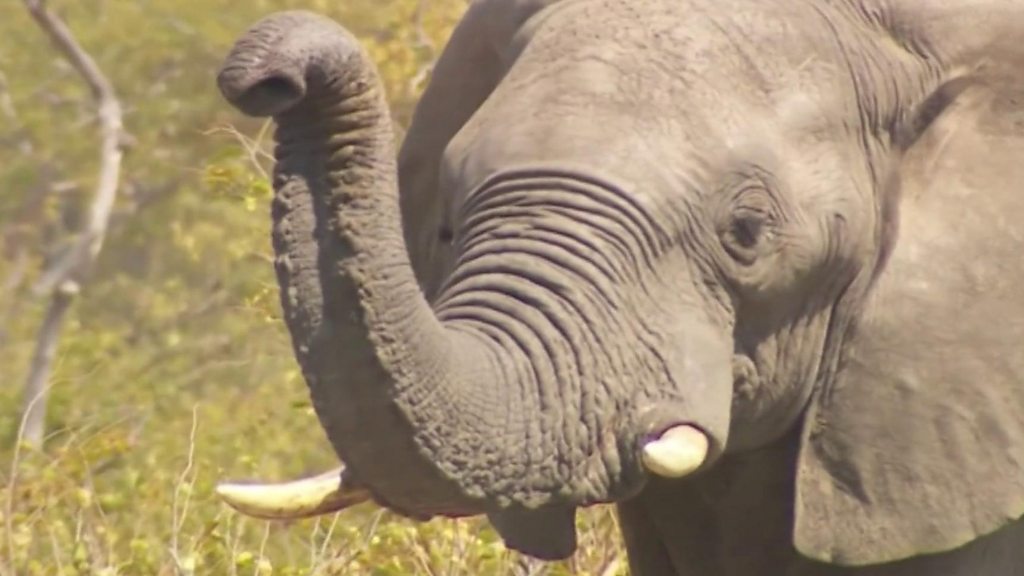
268, 69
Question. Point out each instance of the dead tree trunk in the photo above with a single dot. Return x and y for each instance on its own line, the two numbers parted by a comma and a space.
62, 281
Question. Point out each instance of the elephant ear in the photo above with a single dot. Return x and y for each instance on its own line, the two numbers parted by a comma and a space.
916, 444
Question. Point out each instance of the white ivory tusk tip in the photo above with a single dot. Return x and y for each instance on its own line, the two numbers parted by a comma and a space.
679, 451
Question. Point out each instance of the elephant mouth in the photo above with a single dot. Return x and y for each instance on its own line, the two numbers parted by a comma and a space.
674, 453
745, 376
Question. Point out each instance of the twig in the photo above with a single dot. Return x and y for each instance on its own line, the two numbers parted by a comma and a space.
186, 483
64, 286
424, 42
254, 147
318, 551
340, 564
12, 484
263, 548
527, 566
422, 38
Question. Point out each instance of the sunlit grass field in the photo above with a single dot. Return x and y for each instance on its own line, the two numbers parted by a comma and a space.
128, 490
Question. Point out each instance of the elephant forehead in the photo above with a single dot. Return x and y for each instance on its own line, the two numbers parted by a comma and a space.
629, 85
686, 53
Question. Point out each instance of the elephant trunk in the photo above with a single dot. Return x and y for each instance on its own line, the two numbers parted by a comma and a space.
434, 413
366, 339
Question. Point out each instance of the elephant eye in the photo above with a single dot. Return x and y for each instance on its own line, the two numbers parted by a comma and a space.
748, 226
746, 229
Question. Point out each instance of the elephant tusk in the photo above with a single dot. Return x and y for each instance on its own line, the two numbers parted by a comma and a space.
679, 451
322, 494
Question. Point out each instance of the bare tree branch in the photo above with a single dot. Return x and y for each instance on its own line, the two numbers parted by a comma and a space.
423, 42
422, 38
64, 281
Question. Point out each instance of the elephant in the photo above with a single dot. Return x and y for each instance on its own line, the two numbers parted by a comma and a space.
748, 270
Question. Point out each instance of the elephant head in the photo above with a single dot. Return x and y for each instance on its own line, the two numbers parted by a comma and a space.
678, 230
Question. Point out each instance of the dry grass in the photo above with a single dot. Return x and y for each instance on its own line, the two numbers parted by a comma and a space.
122, 496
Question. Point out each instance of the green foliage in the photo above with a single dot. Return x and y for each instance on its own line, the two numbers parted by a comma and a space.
174, 370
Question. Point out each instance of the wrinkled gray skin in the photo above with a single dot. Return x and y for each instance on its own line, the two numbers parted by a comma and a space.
795, 225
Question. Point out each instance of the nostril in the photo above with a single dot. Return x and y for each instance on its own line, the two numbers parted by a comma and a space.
273, 94
276, 88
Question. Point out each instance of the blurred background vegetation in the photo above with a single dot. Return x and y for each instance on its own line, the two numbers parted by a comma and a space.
173, 369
